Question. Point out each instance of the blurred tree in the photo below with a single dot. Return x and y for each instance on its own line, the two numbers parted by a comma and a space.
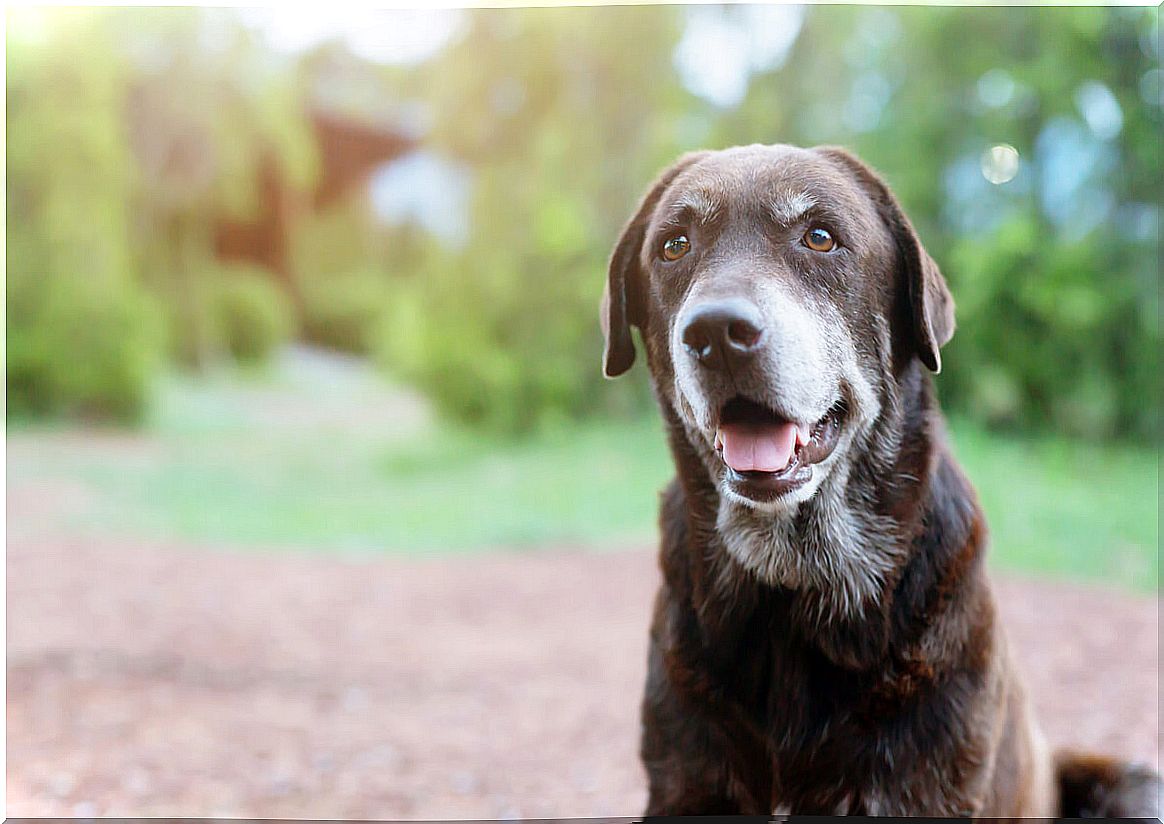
211, 116
129, 132
563, 114
82, 336
252, 316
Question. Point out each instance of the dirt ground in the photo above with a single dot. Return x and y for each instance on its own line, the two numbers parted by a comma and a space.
167, 680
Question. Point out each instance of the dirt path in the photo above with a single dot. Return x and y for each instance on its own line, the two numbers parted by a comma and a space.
149, 680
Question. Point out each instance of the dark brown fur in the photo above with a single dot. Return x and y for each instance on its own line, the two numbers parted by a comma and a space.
762, 697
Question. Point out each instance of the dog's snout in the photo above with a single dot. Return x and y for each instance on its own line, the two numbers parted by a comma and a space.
718, 334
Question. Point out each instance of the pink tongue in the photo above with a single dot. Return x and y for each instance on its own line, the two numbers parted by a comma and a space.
758, 447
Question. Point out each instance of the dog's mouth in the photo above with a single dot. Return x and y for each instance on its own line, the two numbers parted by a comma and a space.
768, 455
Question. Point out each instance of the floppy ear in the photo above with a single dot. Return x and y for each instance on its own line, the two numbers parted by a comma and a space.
931, 305
624, 301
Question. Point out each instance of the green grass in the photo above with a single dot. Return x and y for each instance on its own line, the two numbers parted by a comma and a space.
1087, 509
208, 472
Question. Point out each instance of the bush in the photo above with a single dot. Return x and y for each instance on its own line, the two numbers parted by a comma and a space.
341, 311
497, 351
83, 339
1052, 336
252, 316
85, 352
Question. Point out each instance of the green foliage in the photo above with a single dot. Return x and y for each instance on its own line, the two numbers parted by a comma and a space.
343, 288
85, 352
128, 132
559, 111
341, 311
82, 335
211, 114
252, 315
1044, 342
209, 106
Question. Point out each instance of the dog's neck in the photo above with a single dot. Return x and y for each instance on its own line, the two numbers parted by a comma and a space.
842, 554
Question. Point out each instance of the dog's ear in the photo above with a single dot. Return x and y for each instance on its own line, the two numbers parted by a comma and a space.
930, 303
624, 301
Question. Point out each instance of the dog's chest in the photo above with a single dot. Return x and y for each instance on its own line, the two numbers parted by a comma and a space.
830, 738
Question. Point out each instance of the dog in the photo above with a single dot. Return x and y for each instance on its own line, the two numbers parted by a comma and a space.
825, 639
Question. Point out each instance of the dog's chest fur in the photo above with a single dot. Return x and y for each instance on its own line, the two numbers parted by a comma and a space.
839, 740
842, 700
842, 553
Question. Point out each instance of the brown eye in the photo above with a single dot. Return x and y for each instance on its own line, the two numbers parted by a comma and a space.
676, 247
819, 240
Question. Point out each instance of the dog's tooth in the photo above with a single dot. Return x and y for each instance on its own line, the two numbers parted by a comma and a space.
803, 434
718, 440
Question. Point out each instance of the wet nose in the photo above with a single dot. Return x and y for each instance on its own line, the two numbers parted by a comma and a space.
723, 334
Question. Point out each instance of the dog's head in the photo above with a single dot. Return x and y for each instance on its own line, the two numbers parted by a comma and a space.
777, 290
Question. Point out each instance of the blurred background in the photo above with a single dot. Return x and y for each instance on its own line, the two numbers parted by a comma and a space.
317, 500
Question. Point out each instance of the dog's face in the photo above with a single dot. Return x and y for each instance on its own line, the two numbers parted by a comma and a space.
778, 290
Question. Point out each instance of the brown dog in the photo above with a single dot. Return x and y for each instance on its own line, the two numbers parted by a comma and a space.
825, 639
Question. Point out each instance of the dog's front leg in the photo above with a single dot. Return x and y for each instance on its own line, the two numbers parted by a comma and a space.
697, 761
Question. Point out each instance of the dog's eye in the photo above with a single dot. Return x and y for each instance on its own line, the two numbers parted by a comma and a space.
676, 247
819, 240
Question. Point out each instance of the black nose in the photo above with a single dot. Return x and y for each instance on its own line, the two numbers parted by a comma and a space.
723, 333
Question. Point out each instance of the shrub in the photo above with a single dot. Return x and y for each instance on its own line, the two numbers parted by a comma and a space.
341, 311
85, 352
252, 316
82, 337
494, 350
1052, 335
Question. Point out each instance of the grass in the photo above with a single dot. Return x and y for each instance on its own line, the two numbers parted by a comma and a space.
1086, 509
211, 470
